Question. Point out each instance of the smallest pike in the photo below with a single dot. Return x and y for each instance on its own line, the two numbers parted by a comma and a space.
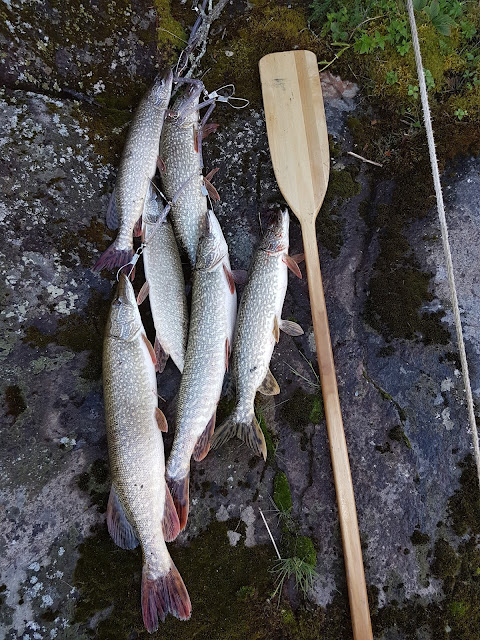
137, 168
257, 331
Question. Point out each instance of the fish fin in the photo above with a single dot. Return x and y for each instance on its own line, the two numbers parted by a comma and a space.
161, 355
113, 257
227, 353
170, 522
112, 212
298, 257
248, 431
119, 528
151, 350
211, 173
161, 420
137, 229
203, 443
292, 265
179, 493
143, 293
161, 165
229, 276
269, 386
291, 328
240, 276
209, 128
276, 329
212, 192
162, 595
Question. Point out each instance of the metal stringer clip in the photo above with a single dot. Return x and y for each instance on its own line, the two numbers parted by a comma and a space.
133, 261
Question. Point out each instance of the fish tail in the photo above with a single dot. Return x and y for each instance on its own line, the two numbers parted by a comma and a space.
245, 428
113, 257
162, 595
179, 493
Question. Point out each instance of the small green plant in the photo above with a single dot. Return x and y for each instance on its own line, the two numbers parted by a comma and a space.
460, 113
413, 91
429, 81
303, 573
391, 77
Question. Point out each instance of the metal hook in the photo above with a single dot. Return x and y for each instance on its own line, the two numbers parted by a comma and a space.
133, 261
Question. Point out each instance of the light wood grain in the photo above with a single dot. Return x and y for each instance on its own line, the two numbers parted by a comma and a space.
298, 140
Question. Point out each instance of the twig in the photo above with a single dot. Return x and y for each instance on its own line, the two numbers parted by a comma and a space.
270, 534
203, 31
355, 155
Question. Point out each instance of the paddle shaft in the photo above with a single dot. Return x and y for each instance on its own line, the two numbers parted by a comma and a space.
357, 591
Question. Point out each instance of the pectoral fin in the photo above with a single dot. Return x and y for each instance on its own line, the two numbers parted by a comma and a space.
161, 355
292, 265
269, 386
229, 276
161, 420
276, 329
291, 328
143, 293
150, 349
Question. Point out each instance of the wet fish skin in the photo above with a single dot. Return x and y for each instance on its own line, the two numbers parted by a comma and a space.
166, 284
258, 322
139, 508
183, 175
137, 168
212, 322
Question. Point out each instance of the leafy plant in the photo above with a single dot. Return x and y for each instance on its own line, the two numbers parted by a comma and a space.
413, 90
460, 113
391, 77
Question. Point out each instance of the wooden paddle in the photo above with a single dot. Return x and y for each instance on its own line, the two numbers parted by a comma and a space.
298, 140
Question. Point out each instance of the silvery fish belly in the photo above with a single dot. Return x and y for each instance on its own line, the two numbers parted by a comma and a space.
140, 509
137, 168
214, 305
182, 176
165, 286
257, 331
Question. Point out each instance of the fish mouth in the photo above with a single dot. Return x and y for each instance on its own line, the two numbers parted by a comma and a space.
275, 239
125, 292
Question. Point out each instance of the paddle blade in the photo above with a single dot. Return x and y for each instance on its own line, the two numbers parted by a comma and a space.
296, 128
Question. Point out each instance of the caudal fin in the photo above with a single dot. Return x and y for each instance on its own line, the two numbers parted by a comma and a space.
113, 257
179, 493
247, 430
162, 595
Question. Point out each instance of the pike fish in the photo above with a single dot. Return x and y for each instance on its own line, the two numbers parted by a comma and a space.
140, 509
137, 168
182, 178
165, 285
257, 331
214, 307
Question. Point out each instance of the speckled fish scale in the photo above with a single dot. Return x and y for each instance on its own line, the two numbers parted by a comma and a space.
212, 323
139, 508
258, 324
164, 275
183, 176
137, 168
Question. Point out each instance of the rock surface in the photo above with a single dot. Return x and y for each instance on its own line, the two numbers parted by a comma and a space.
402, 400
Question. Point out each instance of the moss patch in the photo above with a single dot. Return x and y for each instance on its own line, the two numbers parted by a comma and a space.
464, 505
419, 538
14, 401
282, 496
302, 408
96, 481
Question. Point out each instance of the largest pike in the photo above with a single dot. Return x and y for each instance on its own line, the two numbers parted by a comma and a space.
140, 508
214, 306
137, 168
257, 331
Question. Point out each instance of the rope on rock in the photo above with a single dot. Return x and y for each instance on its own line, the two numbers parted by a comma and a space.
444, 229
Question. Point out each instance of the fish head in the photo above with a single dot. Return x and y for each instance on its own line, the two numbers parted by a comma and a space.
185, 108
162, 88
124, 321
212, 247
275, 239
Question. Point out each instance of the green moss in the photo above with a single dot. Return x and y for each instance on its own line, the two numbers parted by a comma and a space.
464, 505
246, 592
265, 29
446, 562
301, 547
398, 434
96, 482
171, 36
14, 401
282, 496
419, 538
79, 332
302, 408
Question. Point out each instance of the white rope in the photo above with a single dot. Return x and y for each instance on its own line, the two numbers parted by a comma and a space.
443, 226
